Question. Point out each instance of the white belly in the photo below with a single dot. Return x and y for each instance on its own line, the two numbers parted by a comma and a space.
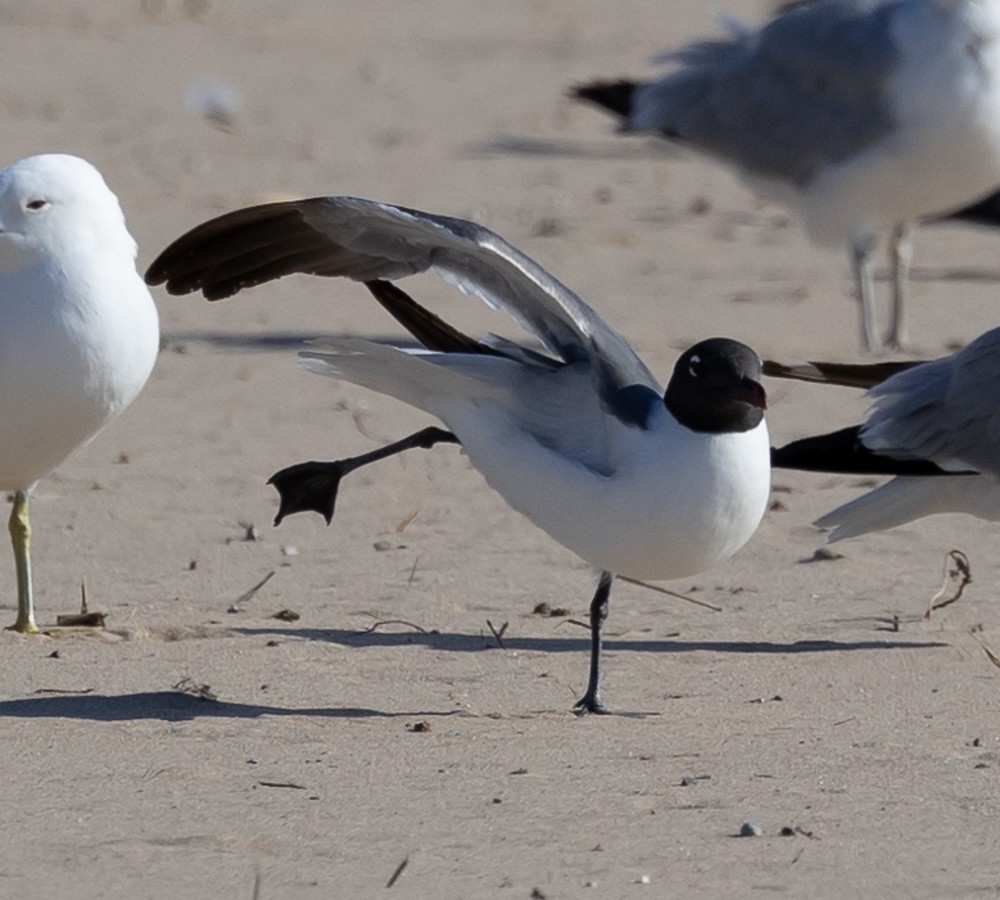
679, 502
66, 369
944, 150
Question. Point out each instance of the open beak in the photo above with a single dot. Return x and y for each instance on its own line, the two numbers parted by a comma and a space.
752, 392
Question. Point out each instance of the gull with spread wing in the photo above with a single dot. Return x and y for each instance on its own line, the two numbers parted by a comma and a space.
578, 436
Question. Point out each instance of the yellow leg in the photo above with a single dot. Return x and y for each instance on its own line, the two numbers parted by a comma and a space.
20, 537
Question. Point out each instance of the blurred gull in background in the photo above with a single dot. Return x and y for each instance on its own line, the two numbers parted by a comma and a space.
864, 116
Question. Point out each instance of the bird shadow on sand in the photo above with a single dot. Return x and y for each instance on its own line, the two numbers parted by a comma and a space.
180, 706
175, 706
458, 642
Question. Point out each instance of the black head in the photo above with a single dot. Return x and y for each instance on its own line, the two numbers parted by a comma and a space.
716, 388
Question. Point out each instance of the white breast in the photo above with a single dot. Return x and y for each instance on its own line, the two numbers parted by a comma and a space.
944, 149
76, 347
676, 503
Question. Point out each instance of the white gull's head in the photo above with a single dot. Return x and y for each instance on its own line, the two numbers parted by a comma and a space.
55, 204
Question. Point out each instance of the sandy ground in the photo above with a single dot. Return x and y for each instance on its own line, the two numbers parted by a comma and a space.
797, 706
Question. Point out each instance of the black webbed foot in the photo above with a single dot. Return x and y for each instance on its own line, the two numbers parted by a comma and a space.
312, 486
308, 487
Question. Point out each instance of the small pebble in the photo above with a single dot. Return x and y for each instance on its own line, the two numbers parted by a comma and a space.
289, 550
827, 553
217, 101
643, 879
749, 829
688, 781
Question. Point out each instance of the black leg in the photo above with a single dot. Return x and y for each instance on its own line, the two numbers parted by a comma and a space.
312, 486
590, 702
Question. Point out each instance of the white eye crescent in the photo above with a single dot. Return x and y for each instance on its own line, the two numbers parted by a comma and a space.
692, 368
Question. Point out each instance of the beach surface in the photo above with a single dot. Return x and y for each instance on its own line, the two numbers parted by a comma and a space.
375, 707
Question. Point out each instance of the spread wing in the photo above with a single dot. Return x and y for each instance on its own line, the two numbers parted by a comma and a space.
367, 241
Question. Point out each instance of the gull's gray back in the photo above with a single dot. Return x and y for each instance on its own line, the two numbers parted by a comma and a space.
807, 89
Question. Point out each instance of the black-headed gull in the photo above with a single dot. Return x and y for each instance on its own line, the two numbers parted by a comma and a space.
935, 425
862, 115
80, 330
581, 438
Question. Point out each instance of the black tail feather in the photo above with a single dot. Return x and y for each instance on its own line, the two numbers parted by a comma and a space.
985, 212
613, 96
842, 452
856, 375
429, 329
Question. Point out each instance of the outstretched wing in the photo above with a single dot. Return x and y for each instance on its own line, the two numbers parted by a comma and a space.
367, 241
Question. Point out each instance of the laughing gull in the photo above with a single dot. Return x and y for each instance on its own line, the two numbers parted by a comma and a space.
579, 438
80, 330
934, 425
864, 116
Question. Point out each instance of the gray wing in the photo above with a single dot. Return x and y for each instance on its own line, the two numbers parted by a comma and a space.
366, 241
807, 89
946, 411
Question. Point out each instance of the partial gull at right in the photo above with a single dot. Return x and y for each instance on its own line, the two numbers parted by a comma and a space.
934, 425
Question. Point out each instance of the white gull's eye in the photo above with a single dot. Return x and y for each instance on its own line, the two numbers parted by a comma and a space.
35, 205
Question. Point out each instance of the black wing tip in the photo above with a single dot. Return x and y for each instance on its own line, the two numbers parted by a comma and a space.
986, 212
842, 452
853, 375
186, 265
613, 96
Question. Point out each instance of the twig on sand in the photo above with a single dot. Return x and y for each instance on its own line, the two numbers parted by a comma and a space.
85, 618
498, 634
990, 654
249, 595
670, 593
961, 573
376, 625
195, 689
63, 691
398, 872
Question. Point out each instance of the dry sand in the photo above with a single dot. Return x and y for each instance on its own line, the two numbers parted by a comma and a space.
795, 707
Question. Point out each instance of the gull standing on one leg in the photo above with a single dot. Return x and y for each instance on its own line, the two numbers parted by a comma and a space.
581, 439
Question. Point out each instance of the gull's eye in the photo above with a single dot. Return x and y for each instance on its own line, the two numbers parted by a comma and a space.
36, 205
